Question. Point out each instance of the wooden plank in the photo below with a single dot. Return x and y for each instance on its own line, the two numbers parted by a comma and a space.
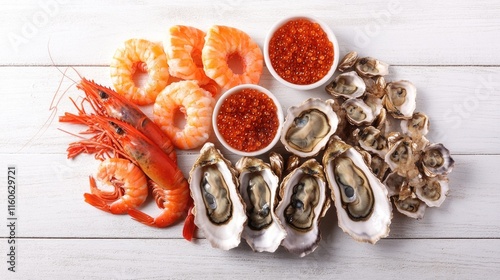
50, 203
175, 259
403, 33
461, 102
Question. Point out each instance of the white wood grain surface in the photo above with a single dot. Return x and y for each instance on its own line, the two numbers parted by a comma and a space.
448, 49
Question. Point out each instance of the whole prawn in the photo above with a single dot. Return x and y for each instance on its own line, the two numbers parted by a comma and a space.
107, 102
170, 188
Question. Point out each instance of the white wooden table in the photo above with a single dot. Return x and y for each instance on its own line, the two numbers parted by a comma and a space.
448, 49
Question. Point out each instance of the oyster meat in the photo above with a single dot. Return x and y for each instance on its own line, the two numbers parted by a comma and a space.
370, 67
347, 85
304, 202
258, 188
308, 127
436, 160
400, 99
364, 210
218, 208
410, 206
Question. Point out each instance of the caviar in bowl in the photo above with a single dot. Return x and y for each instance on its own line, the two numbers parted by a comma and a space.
247, 120
301, 52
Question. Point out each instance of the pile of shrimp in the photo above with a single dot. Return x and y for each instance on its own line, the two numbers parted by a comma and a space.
201, 64
137, 155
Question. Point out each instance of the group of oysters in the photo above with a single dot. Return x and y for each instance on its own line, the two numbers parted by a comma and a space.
375, 154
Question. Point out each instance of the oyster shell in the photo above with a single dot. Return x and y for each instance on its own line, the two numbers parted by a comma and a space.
358, 112
394, 183
258, 187
308, 127
410, 206
218, 208
379, 167
348, 61
436, 160
417, 126
371, 67
400, 99
277, 164
363, 207
304, 202
434, 192
347, 85
372, 140
376, 86
400, 156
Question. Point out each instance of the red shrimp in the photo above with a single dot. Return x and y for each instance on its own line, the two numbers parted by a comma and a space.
107, 102
170, 187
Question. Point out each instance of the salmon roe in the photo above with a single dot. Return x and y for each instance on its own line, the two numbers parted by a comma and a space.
248, 120
300, 52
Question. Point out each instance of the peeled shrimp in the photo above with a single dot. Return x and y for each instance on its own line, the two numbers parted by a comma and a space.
129, 184
223, 43
183, 46
139, 55
195, 103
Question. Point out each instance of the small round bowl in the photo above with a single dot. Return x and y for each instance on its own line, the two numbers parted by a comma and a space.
234, 90
331, 37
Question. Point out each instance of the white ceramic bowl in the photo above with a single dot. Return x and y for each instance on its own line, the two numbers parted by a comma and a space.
232, 91
331, 37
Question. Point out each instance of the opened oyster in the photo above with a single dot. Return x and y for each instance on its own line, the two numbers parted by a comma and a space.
347, 85
434, 192
436, 160
400, 99
218, 208
370, 67
372, 140
258, 187
304, 202
308, 127
363, 207
358, 112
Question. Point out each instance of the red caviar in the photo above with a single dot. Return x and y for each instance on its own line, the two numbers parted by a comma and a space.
300, 52
248, 120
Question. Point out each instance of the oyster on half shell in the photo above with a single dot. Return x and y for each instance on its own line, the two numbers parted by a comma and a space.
434, 192
436, 160
410, 206
258, 188
347, 85
363, 207
371, 67
303, 203
358, 112
400, 99
218, 208
308, 127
